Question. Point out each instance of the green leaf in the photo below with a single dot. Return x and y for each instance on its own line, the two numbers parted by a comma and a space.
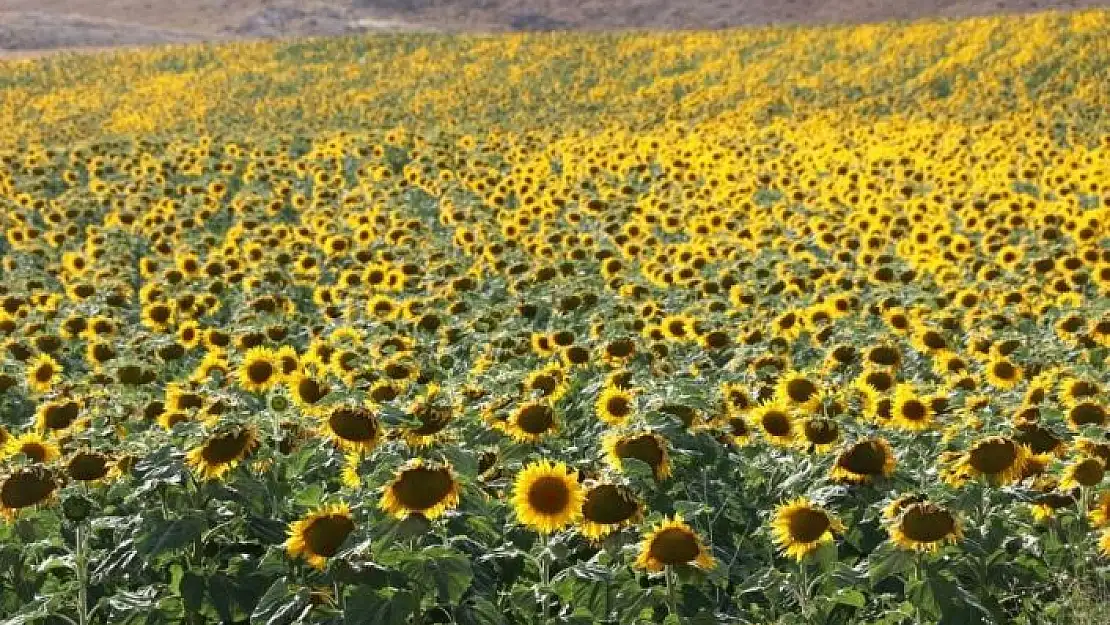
169, 535
447, 569
882, 565
587, 588
479, 611
31, 613
192, 591
126, 603
281, 605
849, 596
384, 607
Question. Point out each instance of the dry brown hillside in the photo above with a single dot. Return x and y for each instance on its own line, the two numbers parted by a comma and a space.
52, 24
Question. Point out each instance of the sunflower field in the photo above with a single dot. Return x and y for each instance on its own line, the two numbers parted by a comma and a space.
772, 325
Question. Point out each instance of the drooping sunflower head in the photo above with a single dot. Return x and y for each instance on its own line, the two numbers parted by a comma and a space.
222, 451
547, 496
924, 526
89, 466
320, 534
864, 461
421, 488
260, 370
58, 416
673, 543
24, 488
820, 433
606, 508
1086, 413
352, 427
998, 459
647, 447
1087, 472
614, 405
800, 527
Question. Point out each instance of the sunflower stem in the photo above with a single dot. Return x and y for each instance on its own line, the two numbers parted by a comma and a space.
545, 575
81, 563
672, 601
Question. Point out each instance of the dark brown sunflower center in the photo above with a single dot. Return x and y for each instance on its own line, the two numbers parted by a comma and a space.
288, 364
738, 426
674, 545
776, 423
1003, 370
717, 339
397, 371
643, 448
1089, 472
227, 448
821, 431
607, 504
383, 392
310, 390
535, 418
60, 416
352, 424
676, 328
422, 488
546, 384
926, 523
325, 535
577, 355
35, 452
620, 349
886, 356
864, 458
807, 525
1055, 500
103, 352
845, 354
87, 466
44, 373
800, 390
160, 314
618, 406
549, 495
1087, 413
914, 410
260, 371
1039, 439
26, 488
934, 340
880, 380
994, 456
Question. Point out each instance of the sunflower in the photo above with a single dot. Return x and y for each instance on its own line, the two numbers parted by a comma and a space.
43, 372
222, 452
260, 370
909, 411
548, 382
646, 447
796, 390
1086, 413
776, 422
24, 488
864, 461
531, 421
352, 428
34, 446
1100, 513
673, 543
999, 459
1085, 472
547, 496
319, 535
1104, 543
820, 434
90, 466
1045, 506
679, 327
307, 392
58, 416
614, 405
799, 528
1002, 373
896, 506
420, 488
924, 526
1076, 391
607, 508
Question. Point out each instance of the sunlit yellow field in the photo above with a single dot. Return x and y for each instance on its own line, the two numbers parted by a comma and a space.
792, 325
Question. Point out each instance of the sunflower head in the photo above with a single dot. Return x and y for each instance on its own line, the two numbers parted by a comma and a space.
531, 421
320, 534
260, 370
420, 488
673, 543
352, 427
24, 488
89, 466
222, 451
924, 526
547, 496
647, 447
910, 412
998, 459
797, 390
864, 461
777, 423
614, 405
607, 507
800, 528
1086, 472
